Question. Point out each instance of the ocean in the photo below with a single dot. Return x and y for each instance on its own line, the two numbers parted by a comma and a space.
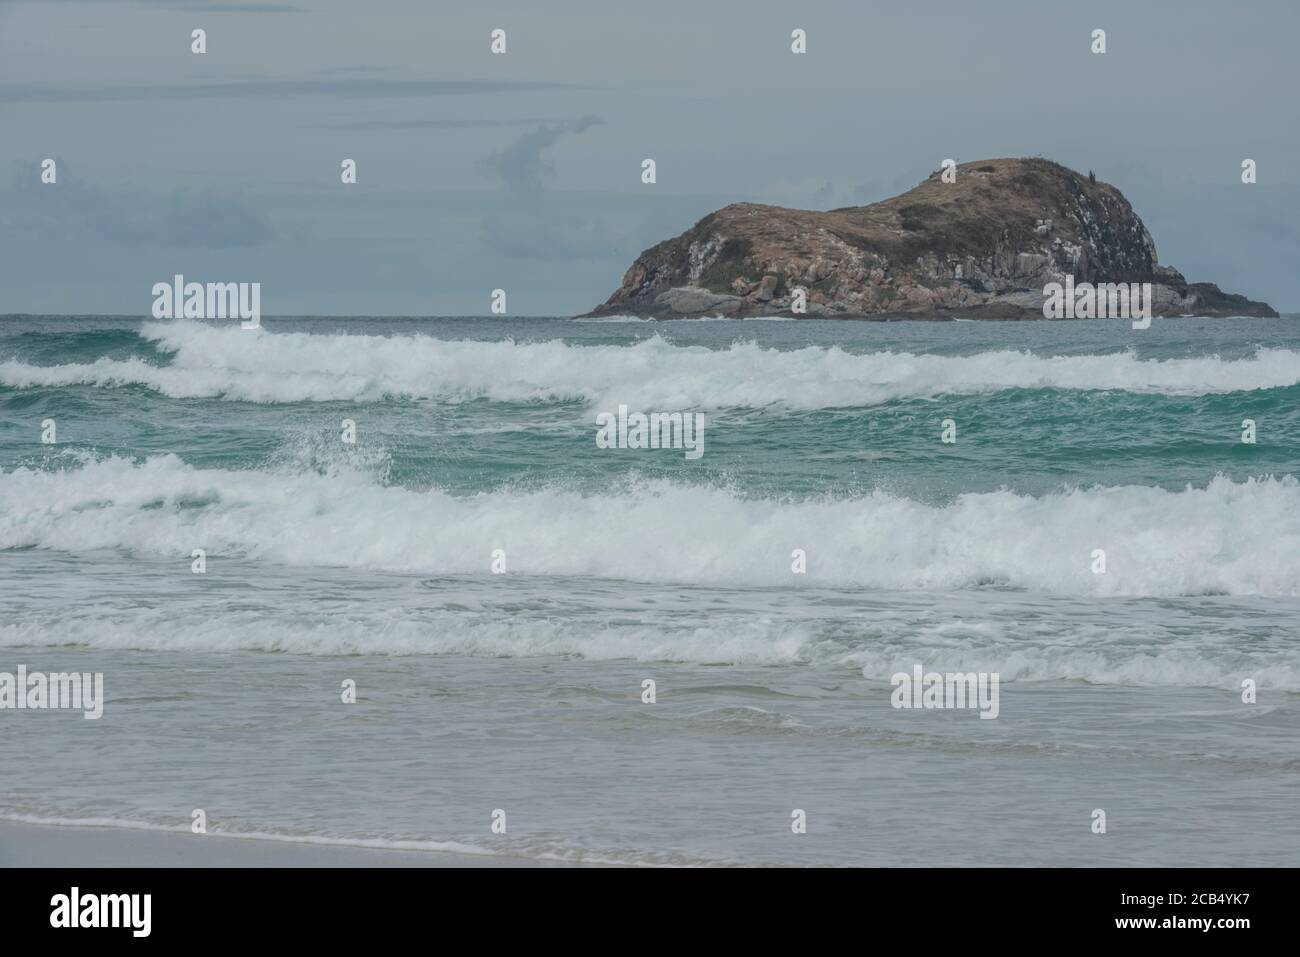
498, 589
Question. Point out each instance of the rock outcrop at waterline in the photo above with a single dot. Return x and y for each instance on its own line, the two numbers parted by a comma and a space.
981, 247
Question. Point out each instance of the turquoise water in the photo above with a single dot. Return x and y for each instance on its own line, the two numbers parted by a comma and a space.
477, 436
804, 409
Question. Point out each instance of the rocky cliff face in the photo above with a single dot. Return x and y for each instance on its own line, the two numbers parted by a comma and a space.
982, 247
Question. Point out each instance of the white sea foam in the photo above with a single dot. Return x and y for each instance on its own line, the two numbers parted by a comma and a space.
268, 367
395, 844
1130, 648
525, 849
1227, 538
613, 320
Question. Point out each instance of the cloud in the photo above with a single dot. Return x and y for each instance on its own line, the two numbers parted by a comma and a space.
551, 236
72, 208
422, 124
184, 5
359, 88
356, 68
242, 7
521, 167
533, 228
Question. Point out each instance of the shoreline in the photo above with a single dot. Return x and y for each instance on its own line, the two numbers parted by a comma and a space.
25, 845
949, 316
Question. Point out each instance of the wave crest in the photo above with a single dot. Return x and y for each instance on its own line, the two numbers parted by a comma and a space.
261, 366
1227, 538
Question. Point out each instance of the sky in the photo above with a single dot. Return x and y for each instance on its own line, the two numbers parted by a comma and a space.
522, 171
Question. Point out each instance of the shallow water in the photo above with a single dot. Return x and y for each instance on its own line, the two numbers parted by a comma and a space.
522, 691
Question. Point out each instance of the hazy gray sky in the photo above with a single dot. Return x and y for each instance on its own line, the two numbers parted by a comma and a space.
522, 171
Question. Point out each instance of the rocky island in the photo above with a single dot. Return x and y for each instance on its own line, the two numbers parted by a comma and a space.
980, 240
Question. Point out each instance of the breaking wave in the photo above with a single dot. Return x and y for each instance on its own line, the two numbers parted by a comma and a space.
1232, 538
202, 361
